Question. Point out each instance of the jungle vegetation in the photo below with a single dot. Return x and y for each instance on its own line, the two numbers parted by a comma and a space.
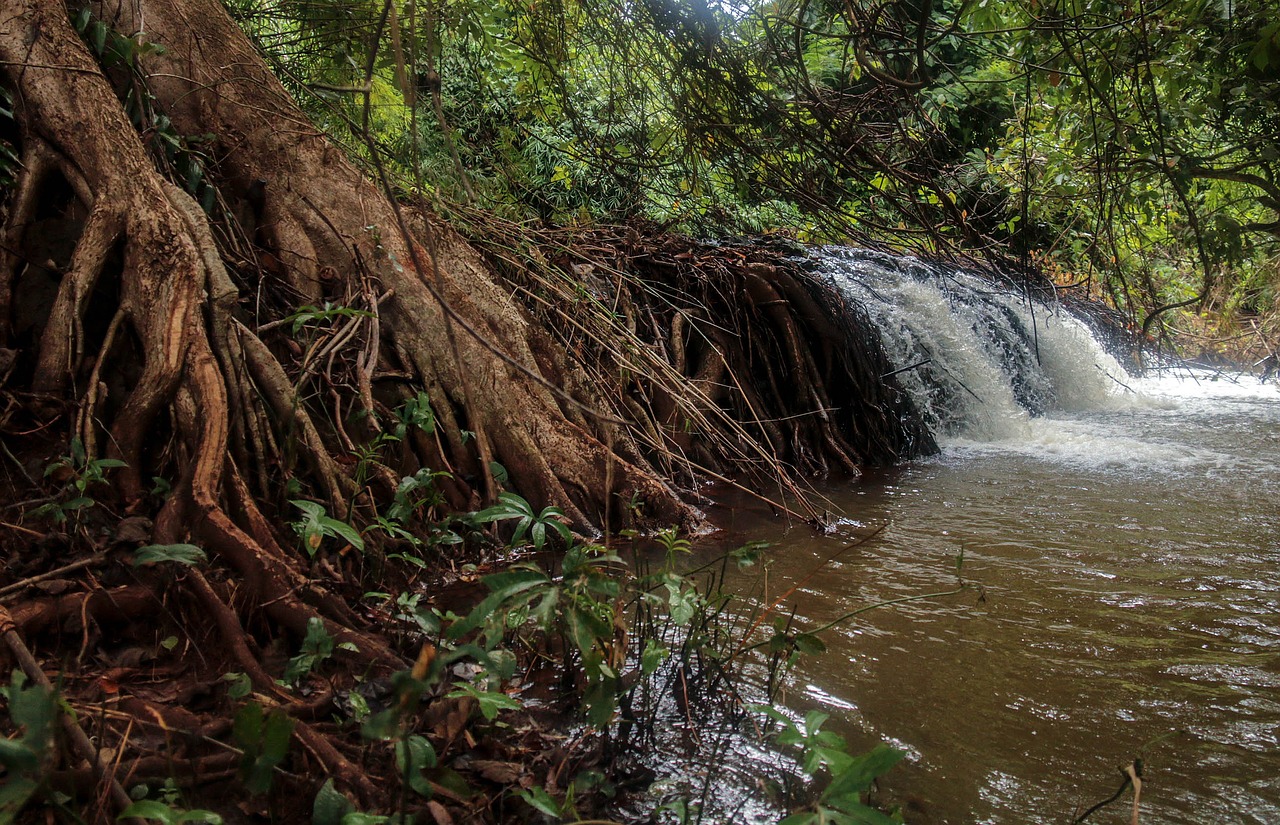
1129, 145
314, 311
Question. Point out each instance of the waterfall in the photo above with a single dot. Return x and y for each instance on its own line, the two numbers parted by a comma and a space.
979, 361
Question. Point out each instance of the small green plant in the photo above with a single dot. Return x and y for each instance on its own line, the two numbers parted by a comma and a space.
315, 316
490, 702
331, 807
416, 493
414, 755
79, 475
263, 738
842, 802
166, 806
671, 543
415, 414
409, 608
511, 506
582, 604
33, 710
317, 647
316, 524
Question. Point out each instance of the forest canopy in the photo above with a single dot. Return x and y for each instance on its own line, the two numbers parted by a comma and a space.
1129, 144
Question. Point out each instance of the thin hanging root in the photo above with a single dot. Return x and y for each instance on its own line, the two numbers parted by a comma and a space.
62, 344
84, 420
273, 384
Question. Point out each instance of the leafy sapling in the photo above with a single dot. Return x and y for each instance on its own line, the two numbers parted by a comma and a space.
316, 524
78, 474
511, 506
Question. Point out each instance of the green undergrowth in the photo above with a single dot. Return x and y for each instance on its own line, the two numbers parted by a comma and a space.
624, 647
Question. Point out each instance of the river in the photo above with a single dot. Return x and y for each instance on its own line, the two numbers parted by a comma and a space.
1122, 556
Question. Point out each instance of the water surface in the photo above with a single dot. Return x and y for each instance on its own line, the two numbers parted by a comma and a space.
1124, 572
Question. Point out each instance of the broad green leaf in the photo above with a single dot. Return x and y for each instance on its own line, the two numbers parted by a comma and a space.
343, 530
653, 655
858, 776
264, 738
330, 805
414, 754
810, 644
541, 801
187, 554
14, 795
510, 585
149, 809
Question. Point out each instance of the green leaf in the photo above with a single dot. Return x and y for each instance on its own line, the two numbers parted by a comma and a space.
240, 685
585, 627
316, 648
810, 644
491, 703
682, 603
187, 554
415, 754
505, 586
264, 738
14, 794
541, 801
149, 809
330, 805
359, 818
344, 530
16, 756
850, 783
309, 507
653, 655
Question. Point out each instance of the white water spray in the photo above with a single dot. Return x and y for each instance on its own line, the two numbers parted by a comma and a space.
980, 362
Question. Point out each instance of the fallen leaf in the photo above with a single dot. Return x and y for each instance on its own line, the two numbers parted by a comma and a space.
503, 773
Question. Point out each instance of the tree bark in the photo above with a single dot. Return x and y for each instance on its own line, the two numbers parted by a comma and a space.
330, 235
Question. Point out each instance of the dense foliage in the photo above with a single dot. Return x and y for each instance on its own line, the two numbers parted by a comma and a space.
1131, 144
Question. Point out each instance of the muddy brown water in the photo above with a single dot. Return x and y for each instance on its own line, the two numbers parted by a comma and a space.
1123, 565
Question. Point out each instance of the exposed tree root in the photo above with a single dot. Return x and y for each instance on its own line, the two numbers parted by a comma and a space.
238, 364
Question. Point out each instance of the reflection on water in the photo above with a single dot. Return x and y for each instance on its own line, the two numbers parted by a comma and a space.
1126, 573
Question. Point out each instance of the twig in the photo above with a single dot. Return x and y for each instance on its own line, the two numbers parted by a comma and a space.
1132, 772
19, 586
906, 369
80, 742
22, 529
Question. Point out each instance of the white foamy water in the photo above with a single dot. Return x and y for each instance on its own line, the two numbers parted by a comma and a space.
994, 372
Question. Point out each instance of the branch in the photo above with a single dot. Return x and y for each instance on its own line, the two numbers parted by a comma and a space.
1247, 178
